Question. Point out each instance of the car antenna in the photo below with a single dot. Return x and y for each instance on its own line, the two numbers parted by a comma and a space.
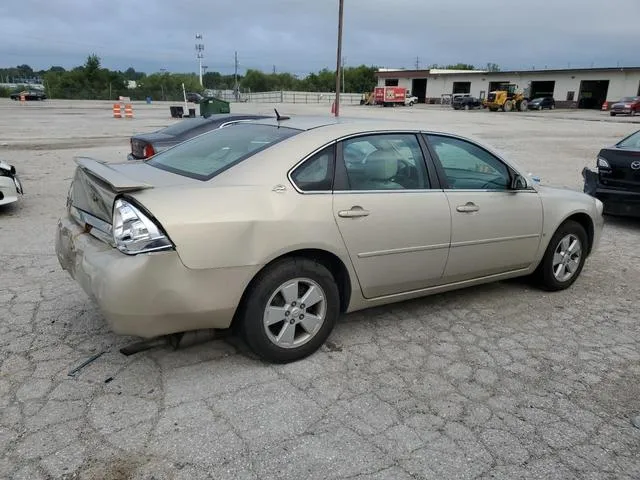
280, 117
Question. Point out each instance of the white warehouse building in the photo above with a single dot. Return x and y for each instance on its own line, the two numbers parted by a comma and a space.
571, 88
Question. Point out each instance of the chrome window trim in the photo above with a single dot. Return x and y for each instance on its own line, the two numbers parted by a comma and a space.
529, 189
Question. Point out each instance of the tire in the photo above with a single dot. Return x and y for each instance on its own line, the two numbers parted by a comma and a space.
411, 104
553, 106
558, 257
466, 107
267, 290
524, 105
612, 114
508, 106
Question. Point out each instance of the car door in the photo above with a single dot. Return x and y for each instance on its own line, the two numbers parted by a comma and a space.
395, 226
494, 228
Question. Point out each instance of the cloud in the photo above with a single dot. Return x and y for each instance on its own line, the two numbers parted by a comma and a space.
300, 35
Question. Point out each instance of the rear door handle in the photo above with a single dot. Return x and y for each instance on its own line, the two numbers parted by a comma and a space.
468, 207
355, 212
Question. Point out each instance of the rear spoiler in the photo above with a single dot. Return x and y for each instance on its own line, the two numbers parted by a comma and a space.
117, 181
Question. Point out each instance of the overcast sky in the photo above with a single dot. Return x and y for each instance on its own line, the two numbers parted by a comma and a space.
300, 35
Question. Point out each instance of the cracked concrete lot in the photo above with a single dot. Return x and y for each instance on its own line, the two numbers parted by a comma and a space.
497, 382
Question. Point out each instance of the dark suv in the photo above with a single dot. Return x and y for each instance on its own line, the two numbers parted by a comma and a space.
616, 183
465, 103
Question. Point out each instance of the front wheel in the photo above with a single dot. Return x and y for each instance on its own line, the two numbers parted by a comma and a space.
290, 310
564, 257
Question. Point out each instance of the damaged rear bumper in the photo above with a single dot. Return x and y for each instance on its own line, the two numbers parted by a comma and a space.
615, 201
152, 294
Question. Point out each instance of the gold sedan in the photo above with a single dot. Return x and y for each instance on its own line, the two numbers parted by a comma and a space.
279, 225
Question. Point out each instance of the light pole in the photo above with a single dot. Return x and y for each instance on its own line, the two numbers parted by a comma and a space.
199, 54
339, 58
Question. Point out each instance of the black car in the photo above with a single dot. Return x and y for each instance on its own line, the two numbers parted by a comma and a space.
541, 103
616, 183
466, 103
194, 97
28, 95
146, 145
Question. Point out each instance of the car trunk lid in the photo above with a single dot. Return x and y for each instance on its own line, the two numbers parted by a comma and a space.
96, 184
621, 173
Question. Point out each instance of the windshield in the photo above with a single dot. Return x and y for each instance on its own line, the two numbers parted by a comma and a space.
207, 155
539, 99
632, 141
629, 99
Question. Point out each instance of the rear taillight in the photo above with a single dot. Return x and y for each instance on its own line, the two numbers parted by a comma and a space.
148, 151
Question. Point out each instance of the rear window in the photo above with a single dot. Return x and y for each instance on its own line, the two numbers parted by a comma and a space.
206, 156
185, 125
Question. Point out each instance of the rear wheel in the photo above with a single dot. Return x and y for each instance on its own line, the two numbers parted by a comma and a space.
467, 107
612, 114
290, 310
564, 257
523, 106
508, 106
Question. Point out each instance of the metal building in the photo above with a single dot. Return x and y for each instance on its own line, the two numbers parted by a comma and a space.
572, 88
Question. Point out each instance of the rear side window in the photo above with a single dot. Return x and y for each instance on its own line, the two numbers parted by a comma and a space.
316, 173
206, 156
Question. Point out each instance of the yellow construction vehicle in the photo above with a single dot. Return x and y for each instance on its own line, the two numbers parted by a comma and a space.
506, 98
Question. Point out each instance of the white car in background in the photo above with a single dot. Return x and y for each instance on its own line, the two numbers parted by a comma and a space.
10, 186
410, 100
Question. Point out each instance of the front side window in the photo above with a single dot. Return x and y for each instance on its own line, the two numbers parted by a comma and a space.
469, 167
206, 156
384, 162
316, 173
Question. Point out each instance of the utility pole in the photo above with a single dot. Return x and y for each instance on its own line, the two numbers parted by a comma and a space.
339, 57
274, 69
199, 55
235, 78
417, 63
344, 60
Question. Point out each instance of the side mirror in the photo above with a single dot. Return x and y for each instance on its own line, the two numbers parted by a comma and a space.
519, 183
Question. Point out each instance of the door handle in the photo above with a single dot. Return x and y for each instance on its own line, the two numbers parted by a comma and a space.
468, 207
355, 212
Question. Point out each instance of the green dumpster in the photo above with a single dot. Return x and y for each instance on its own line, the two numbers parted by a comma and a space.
213, 105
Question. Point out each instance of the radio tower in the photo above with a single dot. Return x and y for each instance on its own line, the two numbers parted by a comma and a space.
199, 55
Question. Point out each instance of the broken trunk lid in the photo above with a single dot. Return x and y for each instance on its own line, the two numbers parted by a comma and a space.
95, 186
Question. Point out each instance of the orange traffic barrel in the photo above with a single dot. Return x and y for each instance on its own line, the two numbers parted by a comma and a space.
117, 113
128, 111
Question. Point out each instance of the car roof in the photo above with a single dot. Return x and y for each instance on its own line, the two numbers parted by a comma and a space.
344, 124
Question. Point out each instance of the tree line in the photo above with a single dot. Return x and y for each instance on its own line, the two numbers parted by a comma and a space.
93, 82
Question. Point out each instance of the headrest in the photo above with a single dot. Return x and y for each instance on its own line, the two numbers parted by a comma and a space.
381, 165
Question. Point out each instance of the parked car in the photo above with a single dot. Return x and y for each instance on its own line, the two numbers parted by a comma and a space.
541, 103
616, 181
145, 145
627, 105
28, 95
10, 186
275, 227
466, 103
194, 97
410, 100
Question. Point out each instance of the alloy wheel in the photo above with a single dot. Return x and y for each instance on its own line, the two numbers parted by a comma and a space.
295, 313
566, 257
